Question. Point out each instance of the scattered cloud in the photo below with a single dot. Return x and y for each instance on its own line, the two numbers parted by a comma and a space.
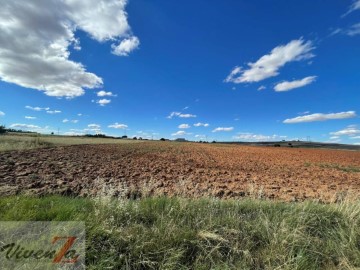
185, 108
94, 126
40, 59
303, 113
355, 6
268, 65
105, 94
70, 121
200, 136
350, 131
53, 112
103, 102
353, 30
320, 117
126, 46
201, 125
38, 109
286, 86
223, 129
79, 114
180, 115
118, 126
180, 133
257, 137
262, 87
30, 117
184, 126
2, 113
25, 126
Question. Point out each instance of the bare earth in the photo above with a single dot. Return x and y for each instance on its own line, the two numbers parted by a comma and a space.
187, 169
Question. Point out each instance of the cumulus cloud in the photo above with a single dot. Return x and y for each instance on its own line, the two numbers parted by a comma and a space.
257, 137
286, 86
2, 113
351, 131
223, 129
268, 65
180, 115
30, 117
38, 109
36, 37
103, 93
180, 133
53, 112
70, 121
320, 117
184, 126
25, 126
118, 126
126, 46
103, 102
94, 126
201, 125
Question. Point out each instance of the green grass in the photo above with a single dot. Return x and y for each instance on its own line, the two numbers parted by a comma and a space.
175, 233
340, 167
33, 141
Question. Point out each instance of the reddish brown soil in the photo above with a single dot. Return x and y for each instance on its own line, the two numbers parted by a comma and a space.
188, 169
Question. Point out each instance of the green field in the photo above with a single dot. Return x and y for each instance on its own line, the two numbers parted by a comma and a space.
175, 233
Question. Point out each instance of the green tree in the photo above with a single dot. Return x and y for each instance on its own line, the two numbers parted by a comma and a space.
2, 129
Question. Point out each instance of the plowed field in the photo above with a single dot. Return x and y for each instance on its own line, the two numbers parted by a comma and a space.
187, 169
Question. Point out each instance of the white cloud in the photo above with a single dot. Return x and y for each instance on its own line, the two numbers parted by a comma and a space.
181, 115
353, 30
201, 125
30, 117
2, 113
126, 46
286, 86
258, 137
103, 101
353, 7
38, 109
53, 112
184, 126
35, 38
262, 87
70, 121
223, 129
351, 131
118, 126
104, 94
94, 126
200, 136
268, 65
334, 137
180, 133
79, 114
25, 126
320, 117
355, 137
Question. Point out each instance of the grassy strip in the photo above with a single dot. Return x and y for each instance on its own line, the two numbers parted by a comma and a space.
24, 142
175, 233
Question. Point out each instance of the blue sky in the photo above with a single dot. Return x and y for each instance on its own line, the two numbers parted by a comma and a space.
221, 70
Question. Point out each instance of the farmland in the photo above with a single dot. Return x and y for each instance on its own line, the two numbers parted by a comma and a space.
135, 170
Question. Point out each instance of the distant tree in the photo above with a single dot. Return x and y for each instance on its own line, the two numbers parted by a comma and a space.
124, 137
276, 145
140, 138
213, 142
2, 129
134, 138
162, 139
52, 133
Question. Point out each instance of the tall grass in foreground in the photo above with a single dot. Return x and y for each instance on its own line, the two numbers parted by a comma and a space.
175, 233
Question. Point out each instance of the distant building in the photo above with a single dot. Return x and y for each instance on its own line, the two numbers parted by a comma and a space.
180, 140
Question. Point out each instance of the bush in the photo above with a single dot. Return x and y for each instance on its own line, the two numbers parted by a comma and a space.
162, 139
